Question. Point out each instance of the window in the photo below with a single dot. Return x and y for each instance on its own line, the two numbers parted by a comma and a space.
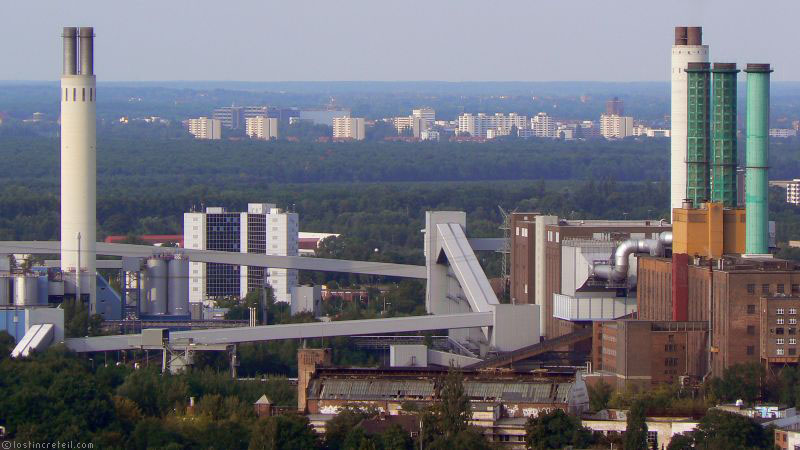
780, 289
792, 351
669, 348
751, 309
779, 341
792, 311
751, 330
751, 288
792, 330
750, 350
671, 362
765, 289
792, 341
779, 311
779, 352
792, 321
780, 320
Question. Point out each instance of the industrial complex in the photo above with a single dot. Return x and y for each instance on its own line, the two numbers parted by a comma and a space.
629, 302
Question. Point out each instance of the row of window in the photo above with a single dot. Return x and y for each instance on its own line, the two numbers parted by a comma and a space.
792, 311
781, 341
792, 321
780, 352
92, 96
779, 288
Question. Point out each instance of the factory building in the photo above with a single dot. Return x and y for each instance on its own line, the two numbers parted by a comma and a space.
551, 259
263, 229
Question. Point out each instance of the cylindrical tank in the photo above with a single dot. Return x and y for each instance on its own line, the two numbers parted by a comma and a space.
86, 36
70, 51
144, 292
5, 290
157, 272
26, 290
178, 298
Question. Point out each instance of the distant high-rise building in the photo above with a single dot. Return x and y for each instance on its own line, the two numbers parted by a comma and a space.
426, 113
792, 192
261, 127
234, 117
478, 125
614, 107
348, 128
205, 128
616, 127
263, 229
543, 126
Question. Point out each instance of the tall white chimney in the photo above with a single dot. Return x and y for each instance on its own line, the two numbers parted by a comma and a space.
79, 164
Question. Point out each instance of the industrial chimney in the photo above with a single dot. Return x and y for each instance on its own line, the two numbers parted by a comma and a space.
756, 188
78, 165
688, 48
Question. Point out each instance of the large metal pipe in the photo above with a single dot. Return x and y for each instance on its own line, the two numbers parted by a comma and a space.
756, 190
619, 270
86, 35
70, 51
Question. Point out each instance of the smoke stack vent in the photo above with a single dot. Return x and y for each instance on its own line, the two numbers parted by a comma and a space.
70, 51
86, 35
756, 190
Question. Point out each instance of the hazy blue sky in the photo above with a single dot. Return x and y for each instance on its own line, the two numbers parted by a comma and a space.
453, 40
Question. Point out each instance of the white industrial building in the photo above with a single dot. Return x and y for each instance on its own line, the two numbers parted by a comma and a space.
348, 128
613, 126
480, 124
262, 127
205, 128
688, 48
263, 229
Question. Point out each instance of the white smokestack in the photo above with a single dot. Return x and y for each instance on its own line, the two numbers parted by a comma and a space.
79, 164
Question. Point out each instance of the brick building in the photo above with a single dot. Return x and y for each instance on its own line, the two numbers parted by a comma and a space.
742, 294
672, 349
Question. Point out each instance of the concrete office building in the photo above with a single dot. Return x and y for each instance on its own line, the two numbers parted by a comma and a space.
616, 127
543, 126
261, 127
348, 128
205, 128
263, 229
688, 48
235, 117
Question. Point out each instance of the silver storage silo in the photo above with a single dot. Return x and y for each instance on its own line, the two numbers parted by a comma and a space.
157, 272
42, 286
26, 290
5, 290
144, 292
178, 298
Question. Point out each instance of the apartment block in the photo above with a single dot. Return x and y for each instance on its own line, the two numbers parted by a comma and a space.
205, 128
348, 128
616, 127
261, 127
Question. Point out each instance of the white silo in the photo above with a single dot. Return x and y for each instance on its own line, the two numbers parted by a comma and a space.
78, 162
688, 48
178, 298
157, 272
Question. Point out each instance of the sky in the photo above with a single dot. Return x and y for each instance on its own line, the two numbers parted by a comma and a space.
444, 40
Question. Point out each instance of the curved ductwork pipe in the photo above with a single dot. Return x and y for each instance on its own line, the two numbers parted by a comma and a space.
619, 270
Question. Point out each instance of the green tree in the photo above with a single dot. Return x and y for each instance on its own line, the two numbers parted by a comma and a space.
7, 344
556, 429
636, 431
740, 381
338, 428
396, 438
453, 408
289, 432
599, 395
719, 430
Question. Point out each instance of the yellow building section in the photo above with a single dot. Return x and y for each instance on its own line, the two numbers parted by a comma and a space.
710, 231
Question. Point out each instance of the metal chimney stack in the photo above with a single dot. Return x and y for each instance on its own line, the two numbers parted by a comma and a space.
756, 188
78, 165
